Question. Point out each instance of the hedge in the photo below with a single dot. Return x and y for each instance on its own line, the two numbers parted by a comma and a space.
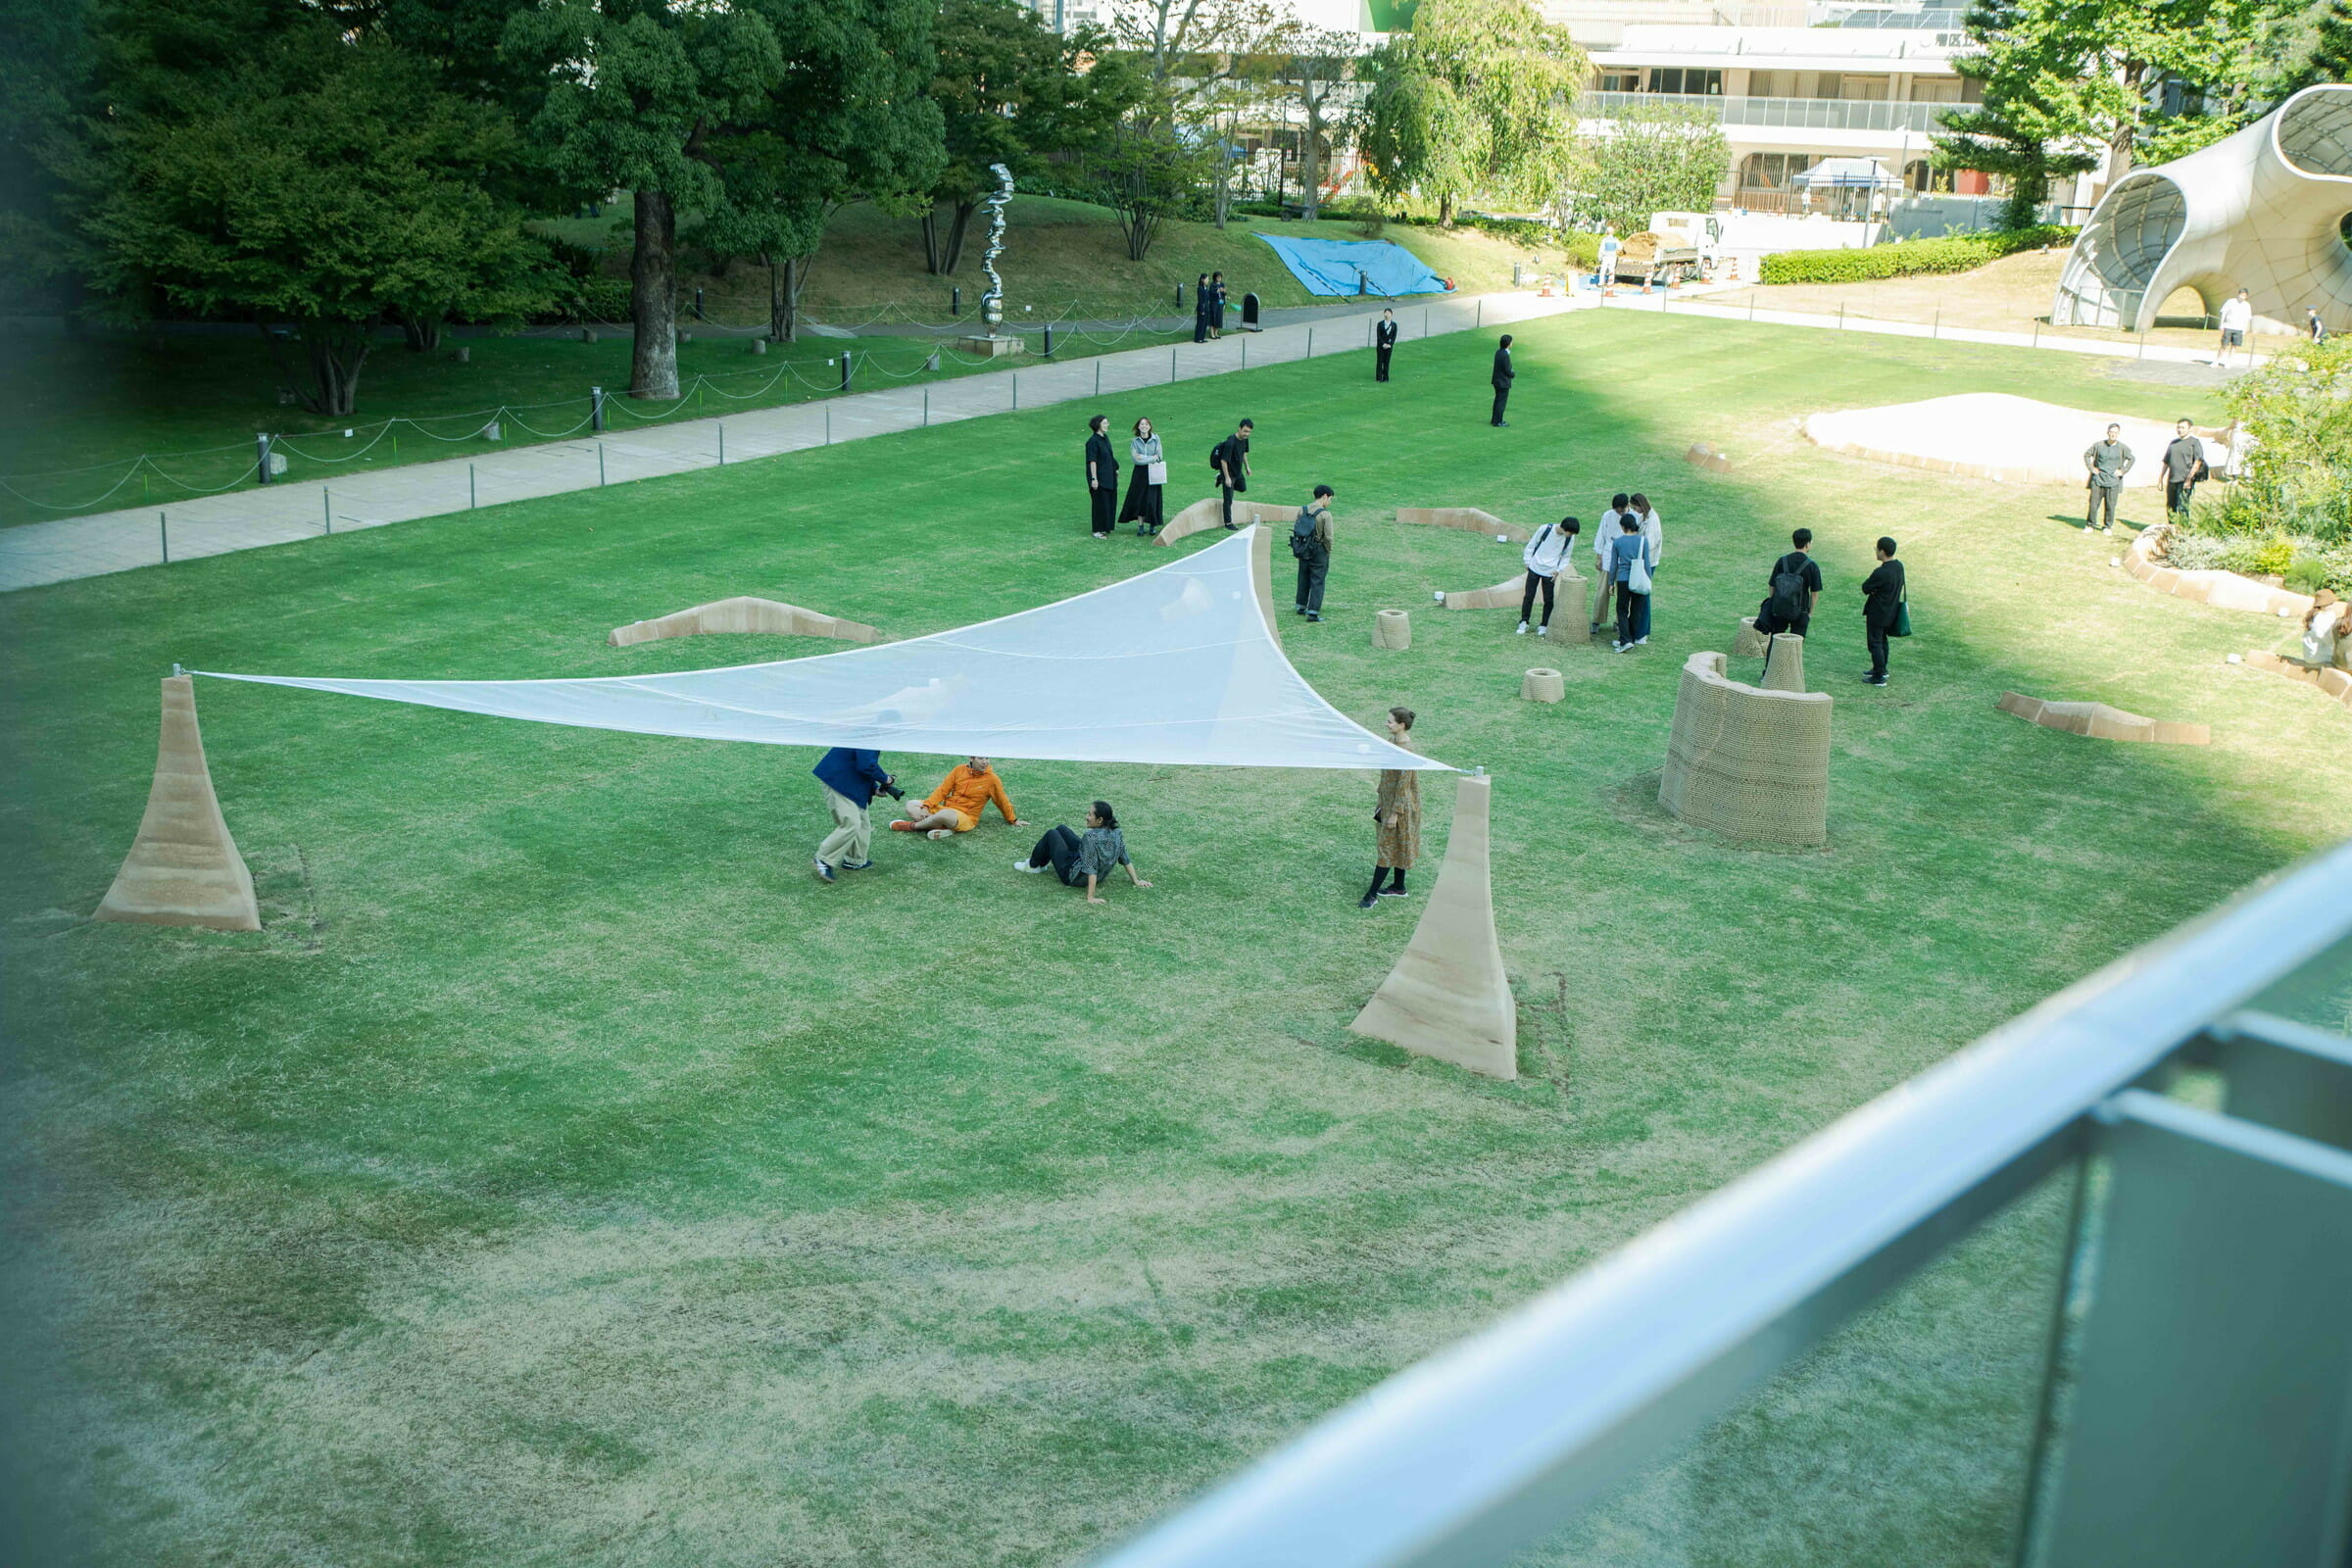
1910, 258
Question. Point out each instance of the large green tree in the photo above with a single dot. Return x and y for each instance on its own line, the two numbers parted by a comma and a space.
44, 68
1478, 97
2142, 79
1317, 75
1205, 65
628, 95
1653, 158
1002, 74
268, 159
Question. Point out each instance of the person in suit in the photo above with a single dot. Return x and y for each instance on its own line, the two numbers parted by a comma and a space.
1233, 465
2106, 462
1146, 474
1882, 601
1201, 310
1383, 344
848, 777
1102, 475
1216, 305
2184, 466
1501, 378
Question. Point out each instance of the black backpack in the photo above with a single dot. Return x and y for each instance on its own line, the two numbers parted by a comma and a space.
1216, 460
1788, 603
1303, 533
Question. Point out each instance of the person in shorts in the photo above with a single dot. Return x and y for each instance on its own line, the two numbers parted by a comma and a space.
2237, 319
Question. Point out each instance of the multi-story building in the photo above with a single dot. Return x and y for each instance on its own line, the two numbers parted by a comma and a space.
1793, 87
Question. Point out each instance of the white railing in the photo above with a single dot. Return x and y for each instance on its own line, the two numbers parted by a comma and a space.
1796, 113
1488, 1446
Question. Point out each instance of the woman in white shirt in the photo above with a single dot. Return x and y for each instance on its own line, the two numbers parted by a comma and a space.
2326, 631
1653, 540
1144, 481
1545, 558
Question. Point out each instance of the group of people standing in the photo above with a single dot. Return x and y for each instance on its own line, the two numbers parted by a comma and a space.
1146, 478
2106, 462
1793, 592
1208, 307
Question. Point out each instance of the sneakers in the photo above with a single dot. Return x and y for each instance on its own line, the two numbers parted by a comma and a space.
1641, 642
1298, 609
935, 833
1619, 648
1522, 631
1543, 630
901, 825
1232, 527
1364, 903
1022, 865
1873, 680
1392, 893
1311, 615
857, 865
824, 873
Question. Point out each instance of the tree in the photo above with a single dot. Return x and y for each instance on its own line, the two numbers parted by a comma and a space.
2159, 76
1205, 62
847, 121
629, 91
44, 64
1002, 73
1479, 96
1140, 163
1653, 158
259, 157
1316, 75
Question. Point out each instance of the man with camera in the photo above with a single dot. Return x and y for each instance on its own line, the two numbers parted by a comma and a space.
849, 779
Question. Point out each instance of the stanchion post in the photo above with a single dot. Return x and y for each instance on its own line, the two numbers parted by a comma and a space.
1098, 368
599, 463
163, 525
722, 443
927, 408
473, 496
1244, 353
1480, 318
596, 409
1310, 346
1936, 327
828, 425
261, 445
1049, 340
1842, 315
2037, 342
327, 508
1016, 391
845, 370
1172, 364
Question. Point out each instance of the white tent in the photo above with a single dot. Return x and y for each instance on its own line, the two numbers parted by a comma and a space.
1177, 665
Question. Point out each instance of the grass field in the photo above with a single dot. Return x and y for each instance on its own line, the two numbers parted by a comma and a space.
75, 412
564, 1176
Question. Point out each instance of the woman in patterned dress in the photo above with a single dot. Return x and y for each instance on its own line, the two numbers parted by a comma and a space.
1398, 814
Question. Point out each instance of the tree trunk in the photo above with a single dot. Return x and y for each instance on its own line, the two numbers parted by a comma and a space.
933, 260
654, 298
787, 275
1310, 166
421, 331
958, 230
332, 352
1224, 186
1446, 210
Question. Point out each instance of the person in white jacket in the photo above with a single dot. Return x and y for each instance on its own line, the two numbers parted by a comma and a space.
1545, 558
1653, 539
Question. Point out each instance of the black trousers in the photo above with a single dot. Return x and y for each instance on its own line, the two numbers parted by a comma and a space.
1769, 624
1058, 849
1503, 397
1527, 600
1628, 613
1380, 364
2176, 493
1877, 636
2102, 495
1312, 569
1105, 502
1143, 500
1228, 492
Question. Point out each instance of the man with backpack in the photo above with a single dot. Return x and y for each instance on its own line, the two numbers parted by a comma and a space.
1794, 582
1311, 544
1229, 460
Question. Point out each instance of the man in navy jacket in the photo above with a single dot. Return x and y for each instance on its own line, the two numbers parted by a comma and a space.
849, 779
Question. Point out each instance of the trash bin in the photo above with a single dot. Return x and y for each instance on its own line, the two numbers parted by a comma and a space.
1250, 314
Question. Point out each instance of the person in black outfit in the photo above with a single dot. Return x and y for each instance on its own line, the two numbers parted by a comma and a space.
2184, 466
1503, 380
1216, 305
1102, 475
1201, 310
1881, 599
1232, 458
1794, 587
1383, 344
1313, 552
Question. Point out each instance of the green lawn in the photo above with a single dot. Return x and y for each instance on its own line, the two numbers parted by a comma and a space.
565, 1176
75, 414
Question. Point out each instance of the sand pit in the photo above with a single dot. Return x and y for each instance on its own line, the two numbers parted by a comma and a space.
1993, 435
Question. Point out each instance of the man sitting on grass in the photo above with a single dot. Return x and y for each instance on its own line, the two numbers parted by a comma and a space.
954, 806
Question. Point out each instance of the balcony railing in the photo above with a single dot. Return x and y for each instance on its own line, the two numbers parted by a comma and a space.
1794, 113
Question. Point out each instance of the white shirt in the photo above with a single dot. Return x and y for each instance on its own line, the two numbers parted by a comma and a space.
1546, 554
1653, 534
2236, 315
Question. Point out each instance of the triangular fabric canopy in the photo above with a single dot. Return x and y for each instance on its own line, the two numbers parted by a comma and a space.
1177, 665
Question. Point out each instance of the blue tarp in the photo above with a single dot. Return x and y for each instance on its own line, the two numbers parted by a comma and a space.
1336, 266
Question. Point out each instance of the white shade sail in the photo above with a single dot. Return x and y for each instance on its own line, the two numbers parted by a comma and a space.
1177, 665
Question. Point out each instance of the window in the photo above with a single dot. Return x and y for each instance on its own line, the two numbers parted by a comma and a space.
1621, 81
1862, 90
1935, 89
1771, 170
1688, 81
1924, 178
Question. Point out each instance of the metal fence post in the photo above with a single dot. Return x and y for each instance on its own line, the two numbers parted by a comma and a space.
2143, 343
2037, 343
163, 524
327, 508
1016, 391
473, 496
599, 463
1049, 340
845, 370
1480, 318
1244, 353
1936, 327
260, 444
927, 408
722, 443
1172, 364
828, 425
596, 409
1099, 371
1842, 315
1310, 346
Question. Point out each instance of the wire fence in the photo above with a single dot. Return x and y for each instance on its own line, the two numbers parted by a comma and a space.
213, 469
909, 398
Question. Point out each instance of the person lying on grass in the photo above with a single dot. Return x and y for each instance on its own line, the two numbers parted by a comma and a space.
1085, 859
954, 806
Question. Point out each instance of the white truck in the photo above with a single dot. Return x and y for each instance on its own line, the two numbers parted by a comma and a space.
1676, 246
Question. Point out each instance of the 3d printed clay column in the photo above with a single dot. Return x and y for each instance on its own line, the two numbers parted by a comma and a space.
1542, 686
183, 869
1391, 628
1447, 996
743, 615
1784, 662
1746, 762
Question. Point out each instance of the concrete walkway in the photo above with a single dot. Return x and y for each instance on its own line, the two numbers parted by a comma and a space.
117, 541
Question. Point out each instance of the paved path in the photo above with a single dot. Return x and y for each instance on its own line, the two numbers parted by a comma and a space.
117, 541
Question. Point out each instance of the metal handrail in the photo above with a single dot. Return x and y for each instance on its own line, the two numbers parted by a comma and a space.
1494, 1443
1801, 113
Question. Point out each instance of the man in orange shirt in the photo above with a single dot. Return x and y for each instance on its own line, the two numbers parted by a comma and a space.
954, 806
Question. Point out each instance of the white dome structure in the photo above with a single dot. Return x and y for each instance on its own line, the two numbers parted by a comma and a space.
2260, 210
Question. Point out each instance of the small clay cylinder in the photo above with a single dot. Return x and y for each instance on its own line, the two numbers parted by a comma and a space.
1391, 628
1542, 686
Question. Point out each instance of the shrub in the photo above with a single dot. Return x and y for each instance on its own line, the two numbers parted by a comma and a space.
1911, 258
2298, 410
